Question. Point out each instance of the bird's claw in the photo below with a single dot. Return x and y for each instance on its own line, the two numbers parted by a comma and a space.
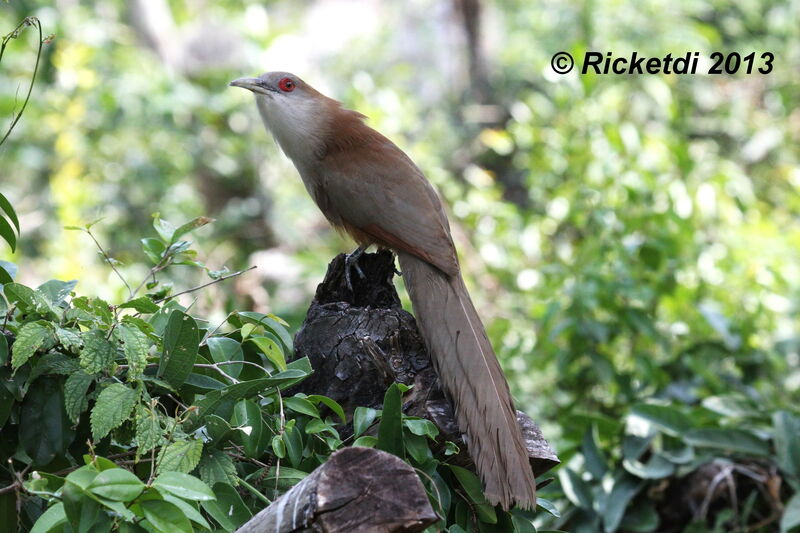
351, 261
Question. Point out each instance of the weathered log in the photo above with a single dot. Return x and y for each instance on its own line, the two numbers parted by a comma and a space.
361, 341
358, 490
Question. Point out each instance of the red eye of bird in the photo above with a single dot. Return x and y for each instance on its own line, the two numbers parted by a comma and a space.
286, 85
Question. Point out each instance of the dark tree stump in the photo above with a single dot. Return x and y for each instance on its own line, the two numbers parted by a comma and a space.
361, 341
355, 491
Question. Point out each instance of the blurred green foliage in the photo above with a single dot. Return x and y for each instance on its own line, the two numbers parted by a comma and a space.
630, 240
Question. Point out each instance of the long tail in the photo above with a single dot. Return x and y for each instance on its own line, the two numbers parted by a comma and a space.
471, 375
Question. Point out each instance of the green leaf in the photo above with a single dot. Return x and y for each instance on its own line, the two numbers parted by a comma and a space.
142, 304
247, 416
50, 520
278, 446
181, 341
117, 485
164, 228
44, 429
75, 400
148, 430
548, 506
666, 418
270, 349
5, 275
624, 489
228, 509
21, 296
112, 408
221, 402
184, 486
98, 353
6, 207
7, 233
472, 486
180, 456
390, 430
790, 522
70, 339
165, 517
135, 346
333, 405
293, 439
56, 291
592, 456
367, 441
733, 440
575, 488
30, 338
269, 321
3, 349
223, 349
301, 405
193, 224
363, 417
657, 467
217, 467
153, 249
421, 427
787, 443
188, 509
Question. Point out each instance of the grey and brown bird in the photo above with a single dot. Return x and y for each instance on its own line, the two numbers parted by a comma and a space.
365, 185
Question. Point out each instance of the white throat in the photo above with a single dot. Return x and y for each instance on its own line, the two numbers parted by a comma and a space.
295, 124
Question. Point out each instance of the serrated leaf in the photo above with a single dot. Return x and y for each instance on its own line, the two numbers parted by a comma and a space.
30, 338
116, 484
56, 291
217, 467
135, 346
98, 353
69, 339
148, 430
54, 363
113, 407
75, 400
180, 456
181, 341
142, 304
184, 486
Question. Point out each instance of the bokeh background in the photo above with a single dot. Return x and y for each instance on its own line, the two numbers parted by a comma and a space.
625, 238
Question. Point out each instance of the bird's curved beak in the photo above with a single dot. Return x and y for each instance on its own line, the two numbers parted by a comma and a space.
252, 84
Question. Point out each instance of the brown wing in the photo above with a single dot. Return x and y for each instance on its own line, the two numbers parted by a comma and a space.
379, 192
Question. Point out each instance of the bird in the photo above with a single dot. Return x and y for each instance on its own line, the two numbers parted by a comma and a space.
367, 186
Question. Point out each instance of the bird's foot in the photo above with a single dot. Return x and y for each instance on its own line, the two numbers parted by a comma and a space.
351, 261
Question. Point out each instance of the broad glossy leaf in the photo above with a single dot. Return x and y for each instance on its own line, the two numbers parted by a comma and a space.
333, 405
253, 433
787, 443
575, 488
51, 520
142, 304
181, 341
624, 489
165, 517
363, 417
56, 291
656, 467
116, 484
44, 429
188, 509
472, 486
790, 522
734, 440
668, 419
223, 349
390, 430
270, 349
301, 405
183, 485
8, 209
228, 509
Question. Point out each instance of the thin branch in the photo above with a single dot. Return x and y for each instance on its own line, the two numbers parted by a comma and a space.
203, 286
109, 261
28, 21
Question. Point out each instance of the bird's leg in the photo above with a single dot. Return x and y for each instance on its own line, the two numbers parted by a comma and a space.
351, 261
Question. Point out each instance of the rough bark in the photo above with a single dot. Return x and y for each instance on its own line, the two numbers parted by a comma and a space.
358, 490
361, 341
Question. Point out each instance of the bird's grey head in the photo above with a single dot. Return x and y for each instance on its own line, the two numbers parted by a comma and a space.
290, 108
